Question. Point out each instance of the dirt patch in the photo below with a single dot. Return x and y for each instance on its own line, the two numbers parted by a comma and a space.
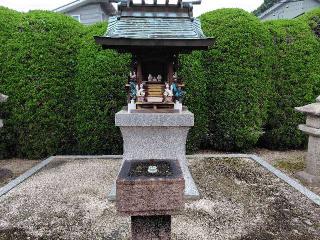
289, 162
291, 165
5, 174
13, 168
275, 156
241, 200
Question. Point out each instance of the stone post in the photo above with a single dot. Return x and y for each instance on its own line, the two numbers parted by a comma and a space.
311, 174
150, 200
3, 98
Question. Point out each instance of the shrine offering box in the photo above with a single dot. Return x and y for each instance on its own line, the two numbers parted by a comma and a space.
140, 193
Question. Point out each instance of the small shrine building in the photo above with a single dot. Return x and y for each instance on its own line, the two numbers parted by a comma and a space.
154, 34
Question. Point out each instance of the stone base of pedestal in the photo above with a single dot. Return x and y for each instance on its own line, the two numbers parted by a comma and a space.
308, 178
149, 228
191, 191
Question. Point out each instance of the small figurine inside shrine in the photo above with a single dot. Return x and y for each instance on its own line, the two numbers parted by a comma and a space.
155, 34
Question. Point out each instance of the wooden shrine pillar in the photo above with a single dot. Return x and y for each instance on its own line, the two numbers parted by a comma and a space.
139, 72
170, 71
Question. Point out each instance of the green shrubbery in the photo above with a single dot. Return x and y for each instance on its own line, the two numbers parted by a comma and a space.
39, 78
296, 81
100, 93
237, 69
65, 90
196, 85
10, 21
313, 20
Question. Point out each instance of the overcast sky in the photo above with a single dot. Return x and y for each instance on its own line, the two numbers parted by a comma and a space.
207, 5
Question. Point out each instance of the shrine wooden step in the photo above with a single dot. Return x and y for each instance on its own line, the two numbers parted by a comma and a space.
154, 83
154, 91
154, 105
154, 94
163, 110
184, 108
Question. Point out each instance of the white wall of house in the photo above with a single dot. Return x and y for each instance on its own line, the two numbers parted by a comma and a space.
290, 10
88, 14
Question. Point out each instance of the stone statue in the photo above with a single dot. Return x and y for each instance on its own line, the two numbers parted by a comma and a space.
150, 78
159, 78
168, 94
177, 91
141, 92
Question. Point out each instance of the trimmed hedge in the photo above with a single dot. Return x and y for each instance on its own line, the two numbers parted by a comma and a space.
10, 21
39, 78
196, 98
238, 70
296, 81
100, 90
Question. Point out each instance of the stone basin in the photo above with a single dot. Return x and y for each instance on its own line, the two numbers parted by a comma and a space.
140, 193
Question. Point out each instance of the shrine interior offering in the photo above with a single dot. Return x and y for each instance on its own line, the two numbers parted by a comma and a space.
155, 34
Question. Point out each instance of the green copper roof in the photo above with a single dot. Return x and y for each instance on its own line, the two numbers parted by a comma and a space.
154, 28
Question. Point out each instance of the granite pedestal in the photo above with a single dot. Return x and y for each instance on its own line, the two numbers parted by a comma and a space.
157, 136
151, 194
311, 174
150, 198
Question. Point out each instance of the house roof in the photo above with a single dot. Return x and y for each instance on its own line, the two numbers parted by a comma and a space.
154, 26
275, 7
78, 3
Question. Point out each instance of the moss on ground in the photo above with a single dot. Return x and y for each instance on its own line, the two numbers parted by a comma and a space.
291, 165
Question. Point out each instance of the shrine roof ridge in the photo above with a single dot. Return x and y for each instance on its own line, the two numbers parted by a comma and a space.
156, 26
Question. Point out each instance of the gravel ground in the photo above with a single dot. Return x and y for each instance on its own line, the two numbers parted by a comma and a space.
240, 201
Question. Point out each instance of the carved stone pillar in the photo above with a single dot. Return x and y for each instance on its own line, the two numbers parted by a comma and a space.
311, 174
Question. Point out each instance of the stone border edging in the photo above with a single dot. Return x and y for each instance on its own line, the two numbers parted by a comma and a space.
306, 192
83, 157
5, 189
